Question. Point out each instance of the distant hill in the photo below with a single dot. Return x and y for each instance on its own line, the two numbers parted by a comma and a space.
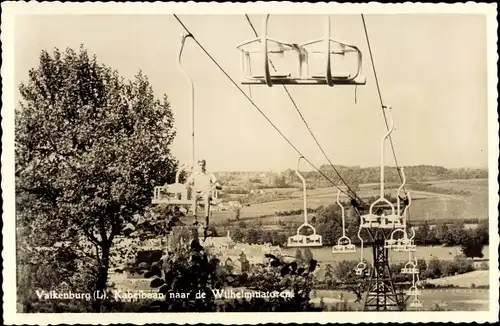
354, 176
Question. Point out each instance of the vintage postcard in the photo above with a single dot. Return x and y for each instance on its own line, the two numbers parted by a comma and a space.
300, 162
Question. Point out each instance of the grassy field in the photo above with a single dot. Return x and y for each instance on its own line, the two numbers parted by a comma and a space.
324, 254
438, 201
449, 299
479, 278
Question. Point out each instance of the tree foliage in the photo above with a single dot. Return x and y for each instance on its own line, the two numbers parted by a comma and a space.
472, 245
90, 147
191, 279
344, 276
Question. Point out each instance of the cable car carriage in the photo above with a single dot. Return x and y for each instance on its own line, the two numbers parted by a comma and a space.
401, 244
416, 303
178, 194
413, 290
172, 194
410, 268
393, 219
410, 244
266, 46
300, 240
344, 244
361, 268
396, 219
396, 244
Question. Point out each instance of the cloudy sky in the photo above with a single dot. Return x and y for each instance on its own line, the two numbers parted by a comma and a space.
432, 70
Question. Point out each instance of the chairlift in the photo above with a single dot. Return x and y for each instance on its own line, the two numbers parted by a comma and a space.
410, 268
344, 244
299, 240
410, 244
302, 76
418, 282
394, 220
362, 268
396, 244
172, 194
372, 220
416, 303
176, 194
413, 290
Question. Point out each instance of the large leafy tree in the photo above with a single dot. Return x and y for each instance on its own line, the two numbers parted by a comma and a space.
90, 147
472, 245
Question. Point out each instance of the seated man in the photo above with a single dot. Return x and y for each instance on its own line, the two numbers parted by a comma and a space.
202, 184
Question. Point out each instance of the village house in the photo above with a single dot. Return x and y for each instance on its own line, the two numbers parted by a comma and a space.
231, 252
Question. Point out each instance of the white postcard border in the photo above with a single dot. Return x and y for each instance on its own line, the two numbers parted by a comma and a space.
11, 9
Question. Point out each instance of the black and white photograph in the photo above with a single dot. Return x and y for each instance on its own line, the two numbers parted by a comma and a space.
289, 160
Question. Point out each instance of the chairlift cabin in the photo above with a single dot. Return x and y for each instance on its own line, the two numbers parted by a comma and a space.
361, 268
413, 290
393, 219
266, 46
410, 245
416, 303
396, 244
300, 240
177, 193
344, 244
410, 268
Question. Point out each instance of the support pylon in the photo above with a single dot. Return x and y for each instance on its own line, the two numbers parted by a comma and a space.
381, 293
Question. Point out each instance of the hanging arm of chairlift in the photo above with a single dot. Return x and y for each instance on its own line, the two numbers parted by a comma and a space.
304, 190
344, 244
382, 162
399, 190
184, 36
298, 240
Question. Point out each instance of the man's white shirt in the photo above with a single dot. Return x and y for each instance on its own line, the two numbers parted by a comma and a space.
202, 182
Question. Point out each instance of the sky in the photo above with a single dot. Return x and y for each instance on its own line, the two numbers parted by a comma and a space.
432, 70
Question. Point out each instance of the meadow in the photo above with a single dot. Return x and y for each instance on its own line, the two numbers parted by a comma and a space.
462, 299
325, 257
449, 199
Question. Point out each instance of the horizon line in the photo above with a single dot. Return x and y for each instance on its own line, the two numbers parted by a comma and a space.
353, 166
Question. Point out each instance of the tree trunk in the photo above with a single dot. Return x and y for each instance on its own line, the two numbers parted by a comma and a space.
102, 278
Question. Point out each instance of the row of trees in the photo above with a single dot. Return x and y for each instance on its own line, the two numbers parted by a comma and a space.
354, 176
340, 275
254, 233
90, 147
328, 223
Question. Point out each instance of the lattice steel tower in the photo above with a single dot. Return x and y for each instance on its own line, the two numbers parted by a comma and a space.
381, 292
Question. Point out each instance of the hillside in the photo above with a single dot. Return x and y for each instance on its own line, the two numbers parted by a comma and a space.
447, 199
352, 175
478, 278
